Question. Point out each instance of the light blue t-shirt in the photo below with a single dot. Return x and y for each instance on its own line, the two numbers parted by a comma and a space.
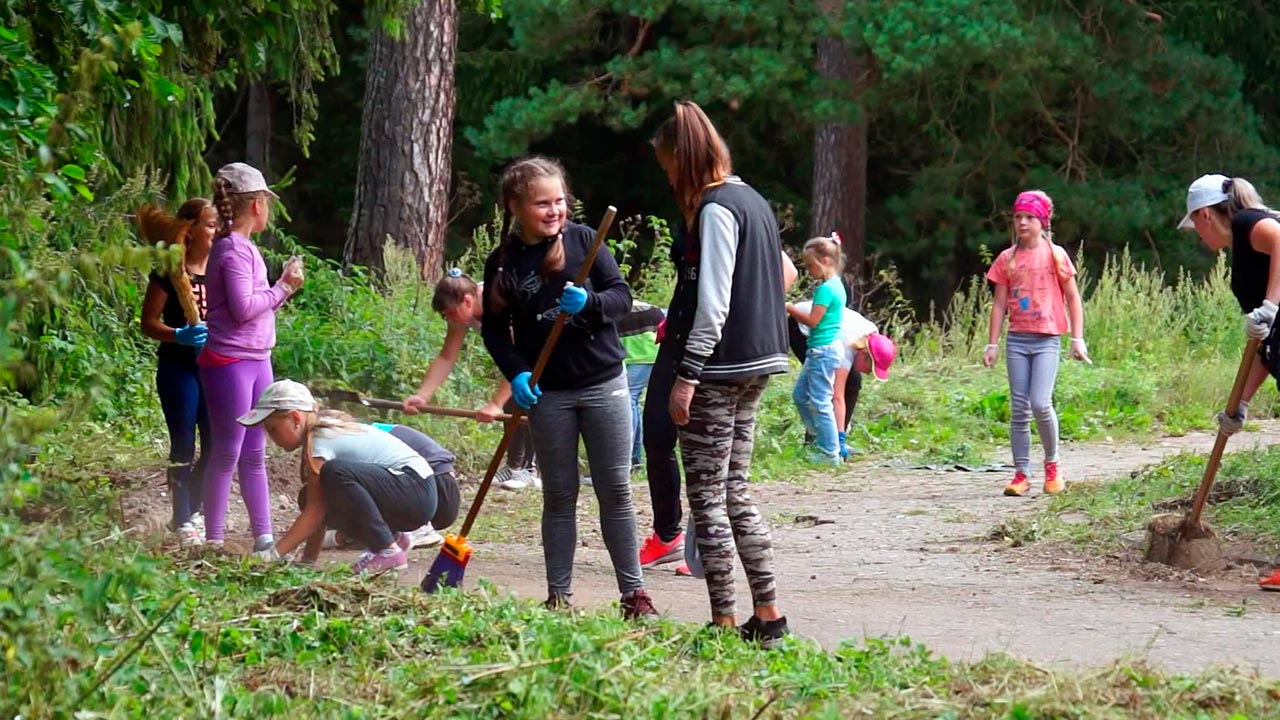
831, 294
367, 444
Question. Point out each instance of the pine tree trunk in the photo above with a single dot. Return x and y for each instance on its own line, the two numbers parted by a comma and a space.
406, 134
257, 151
840, 160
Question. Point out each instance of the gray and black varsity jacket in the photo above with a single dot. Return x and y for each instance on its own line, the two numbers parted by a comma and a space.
729, 313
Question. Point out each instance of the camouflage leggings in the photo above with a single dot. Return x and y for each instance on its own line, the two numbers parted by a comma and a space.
716, 446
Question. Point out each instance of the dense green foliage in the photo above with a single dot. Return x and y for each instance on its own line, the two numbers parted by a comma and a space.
109, 104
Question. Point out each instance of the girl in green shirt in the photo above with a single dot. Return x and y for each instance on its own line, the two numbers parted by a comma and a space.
815, 384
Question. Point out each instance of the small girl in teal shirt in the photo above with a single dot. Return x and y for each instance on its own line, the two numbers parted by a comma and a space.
813, 389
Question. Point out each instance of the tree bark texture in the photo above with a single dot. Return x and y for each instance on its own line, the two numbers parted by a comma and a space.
840, 159
402, 183
257, 151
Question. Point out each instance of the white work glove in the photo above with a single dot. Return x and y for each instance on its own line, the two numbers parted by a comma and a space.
1228, 425
989, 355
268, 553
1257, 324
1080, 351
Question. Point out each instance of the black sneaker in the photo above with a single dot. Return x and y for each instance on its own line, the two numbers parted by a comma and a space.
556, 601
768, 633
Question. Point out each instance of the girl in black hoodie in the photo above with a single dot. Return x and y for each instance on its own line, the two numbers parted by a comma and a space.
583, 392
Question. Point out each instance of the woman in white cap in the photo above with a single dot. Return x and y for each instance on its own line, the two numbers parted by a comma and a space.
366, 483
235, 365
1229, 212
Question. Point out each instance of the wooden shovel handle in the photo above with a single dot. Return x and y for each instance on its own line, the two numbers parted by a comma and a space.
428, 409
1192, 520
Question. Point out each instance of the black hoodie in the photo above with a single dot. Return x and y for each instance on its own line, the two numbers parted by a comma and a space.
588, 352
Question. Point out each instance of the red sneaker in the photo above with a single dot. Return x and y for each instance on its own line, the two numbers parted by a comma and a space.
1019, 487
1271, 583
656, 552
636, 605
1052, 479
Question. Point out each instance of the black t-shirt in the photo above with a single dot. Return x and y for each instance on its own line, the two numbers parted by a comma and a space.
173, 316
1250, 269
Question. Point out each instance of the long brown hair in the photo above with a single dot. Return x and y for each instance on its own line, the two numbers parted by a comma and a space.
230, 204
702, 159
158, 226
515, 182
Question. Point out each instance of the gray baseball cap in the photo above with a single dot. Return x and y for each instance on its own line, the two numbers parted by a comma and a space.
245, 179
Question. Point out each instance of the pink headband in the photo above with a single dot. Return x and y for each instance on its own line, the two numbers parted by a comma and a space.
1035, 204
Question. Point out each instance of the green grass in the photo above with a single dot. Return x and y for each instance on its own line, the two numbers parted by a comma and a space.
1242, 504
233, 638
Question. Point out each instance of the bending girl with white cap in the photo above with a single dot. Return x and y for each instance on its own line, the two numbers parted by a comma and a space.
235, 365
1228, 212
366, 483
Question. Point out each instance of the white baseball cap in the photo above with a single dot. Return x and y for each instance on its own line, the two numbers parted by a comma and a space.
1206, 191
245, 179
279, 395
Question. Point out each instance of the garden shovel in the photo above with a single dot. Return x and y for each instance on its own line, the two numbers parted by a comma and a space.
1182, 541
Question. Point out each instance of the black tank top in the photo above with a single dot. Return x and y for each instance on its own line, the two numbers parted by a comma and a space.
1250, 269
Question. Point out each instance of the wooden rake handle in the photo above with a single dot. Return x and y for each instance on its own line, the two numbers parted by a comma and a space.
538, 367
1192, 520
430, 409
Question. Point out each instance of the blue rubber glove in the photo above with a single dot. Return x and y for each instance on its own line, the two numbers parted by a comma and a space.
191, 335
525, 396
573, 299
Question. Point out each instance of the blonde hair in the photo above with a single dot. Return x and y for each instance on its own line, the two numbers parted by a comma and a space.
1241, 195
825, 249
317, 420
231, 205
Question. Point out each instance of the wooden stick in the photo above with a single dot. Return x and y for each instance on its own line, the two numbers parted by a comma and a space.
1191, 524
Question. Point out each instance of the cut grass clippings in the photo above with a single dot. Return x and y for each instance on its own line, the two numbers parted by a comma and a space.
252, 640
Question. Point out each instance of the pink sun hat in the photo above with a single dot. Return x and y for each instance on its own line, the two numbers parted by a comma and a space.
883, 352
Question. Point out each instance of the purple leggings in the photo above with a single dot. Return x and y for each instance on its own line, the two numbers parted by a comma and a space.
230, 392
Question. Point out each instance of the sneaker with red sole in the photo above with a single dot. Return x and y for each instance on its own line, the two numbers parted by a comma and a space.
656, 552
636, 605
1019, 487
1271, 583
683, 570
1053, 483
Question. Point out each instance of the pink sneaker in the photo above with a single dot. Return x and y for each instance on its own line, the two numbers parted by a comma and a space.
375, 564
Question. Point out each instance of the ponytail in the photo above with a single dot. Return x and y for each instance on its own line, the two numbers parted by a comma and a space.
700, 155
226, 207
451, 290
1242, 195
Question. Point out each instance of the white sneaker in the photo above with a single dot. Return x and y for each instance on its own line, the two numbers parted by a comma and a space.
425, 536
521, 479
330, 540
197, 522
189, 536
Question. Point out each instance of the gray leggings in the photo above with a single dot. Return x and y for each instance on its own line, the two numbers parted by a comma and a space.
601, 416
1033, 369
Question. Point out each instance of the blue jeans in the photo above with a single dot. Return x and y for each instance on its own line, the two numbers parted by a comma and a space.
637, 381
182, 401
812, 395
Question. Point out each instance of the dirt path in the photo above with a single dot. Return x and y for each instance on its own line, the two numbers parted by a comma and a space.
907, 555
